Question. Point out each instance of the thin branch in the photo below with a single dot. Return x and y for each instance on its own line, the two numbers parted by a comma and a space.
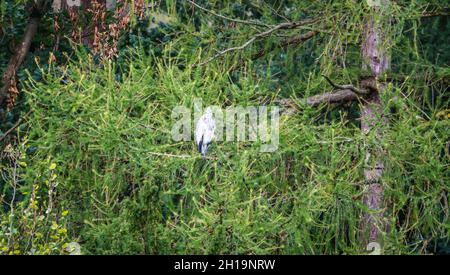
281, 26
444, 12
11, 205
178, 156
433, 14
228, 18
15, 126
295, 40
344, 87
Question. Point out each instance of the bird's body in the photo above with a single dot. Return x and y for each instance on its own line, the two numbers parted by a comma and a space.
204, 131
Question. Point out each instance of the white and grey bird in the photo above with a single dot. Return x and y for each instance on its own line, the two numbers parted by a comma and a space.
204, 131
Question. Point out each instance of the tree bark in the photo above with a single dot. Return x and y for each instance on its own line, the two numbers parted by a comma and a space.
9, 76
376, 62
340, 96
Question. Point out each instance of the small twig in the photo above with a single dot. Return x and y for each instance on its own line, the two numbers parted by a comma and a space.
228, 18
14, 185
178, 156
15, 125
344, 87
433, 14
444, 12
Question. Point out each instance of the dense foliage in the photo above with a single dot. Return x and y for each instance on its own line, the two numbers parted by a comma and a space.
95, 162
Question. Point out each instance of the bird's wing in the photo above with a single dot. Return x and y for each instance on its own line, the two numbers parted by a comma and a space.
208, 133
200, 129
204, 130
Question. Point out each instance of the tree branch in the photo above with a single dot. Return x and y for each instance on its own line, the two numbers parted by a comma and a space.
345, 87
340, 96
17, 59
295, 40
180, 156
335, 97
17, 124
443, 12
281, 26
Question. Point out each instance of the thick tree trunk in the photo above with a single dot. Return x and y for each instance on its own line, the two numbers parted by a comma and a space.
376, 61
9, 76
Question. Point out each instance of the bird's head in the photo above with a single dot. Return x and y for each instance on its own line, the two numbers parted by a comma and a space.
208, 111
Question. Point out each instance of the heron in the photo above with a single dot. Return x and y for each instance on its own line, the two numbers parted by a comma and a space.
204, 131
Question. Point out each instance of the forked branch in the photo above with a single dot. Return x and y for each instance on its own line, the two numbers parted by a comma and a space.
345, 87
281, 26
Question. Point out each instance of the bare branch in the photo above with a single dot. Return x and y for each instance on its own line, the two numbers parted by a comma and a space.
340, 96
336, 97
433, 14
15, 126
283, 26
345, 87
180, 156
444, 12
